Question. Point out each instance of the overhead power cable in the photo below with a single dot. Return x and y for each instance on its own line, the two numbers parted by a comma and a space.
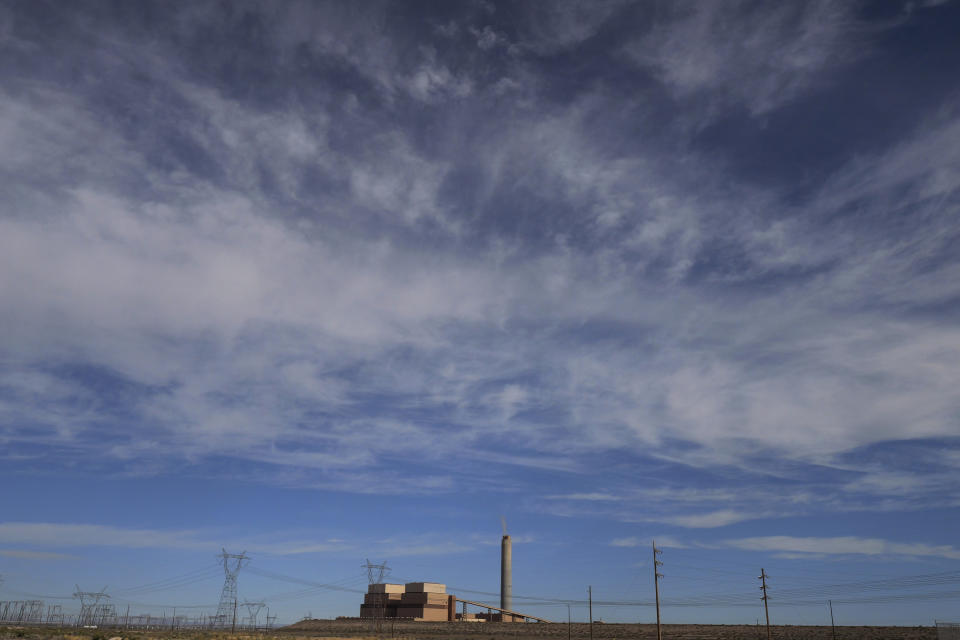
173, 583
285, 578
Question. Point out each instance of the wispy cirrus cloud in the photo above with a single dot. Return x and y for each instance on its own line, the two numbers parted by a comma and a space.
26, 554
712, 519
49, 534
46, 535
310, 281
596, 496
661, 541
754, 56
845, 545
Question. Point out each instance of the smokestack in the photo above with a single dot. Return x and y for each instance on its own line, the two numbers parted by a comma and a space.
506, 573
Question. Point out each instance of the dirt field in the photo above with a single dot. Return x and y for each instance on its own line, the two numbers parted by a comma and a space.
497, 631
352, 630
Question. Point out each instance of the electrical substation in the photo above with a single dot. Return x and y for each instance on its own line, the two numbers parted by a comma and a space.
411, 601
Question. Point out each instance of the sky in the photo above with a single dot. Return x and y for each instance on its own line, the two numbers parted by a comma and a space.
327, 282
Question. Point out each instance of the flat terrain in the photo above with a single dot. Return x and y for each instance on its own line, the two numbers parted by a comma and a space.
499, 631
352, 629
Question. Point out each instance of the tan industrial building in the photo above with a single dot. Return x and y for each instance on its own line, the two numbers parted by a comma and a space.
430, 602
427, 602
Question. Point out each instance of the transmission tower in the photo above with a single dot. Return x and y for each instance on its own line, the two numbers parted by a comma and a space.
375, 574
227, 610
253, 610
55, 614
90, 607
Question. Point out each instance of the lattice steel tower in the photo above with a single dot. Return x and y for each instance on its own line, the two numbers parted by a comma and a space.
375, 575
227, 610
253, 610
90, 607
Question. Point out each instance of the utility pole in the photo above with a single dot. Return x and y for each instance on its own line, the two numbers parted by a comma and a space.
568, 622
833, 628
656, 585
590, 601
766, 608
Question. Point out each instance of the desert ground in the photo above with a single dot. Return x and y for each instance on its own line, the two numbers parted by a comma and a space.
499, 631
353, 630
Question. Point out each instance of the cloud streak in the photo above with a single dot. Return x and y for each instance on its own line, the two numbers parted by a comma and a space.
47, 535
748, 55
844, 545
308, 278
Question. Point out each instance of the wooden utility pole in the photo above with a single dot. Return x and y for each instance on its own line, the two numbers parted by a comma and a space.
569, 630
766, 609
833, 628
656, 585
590, 606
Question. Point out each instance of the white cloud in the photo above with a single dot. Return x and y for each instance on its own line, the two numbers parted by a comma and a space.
560, 25
720, 518
662, 542
433, 81
589, 497
25, 554
46, 534
427, 549
64, 535
487, 38
844, 545
269, 296
627, 542
255, 332
882, 483
759, 56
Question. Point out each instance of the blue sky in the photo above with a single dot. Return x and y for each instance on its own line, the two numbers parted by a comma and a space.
336, 281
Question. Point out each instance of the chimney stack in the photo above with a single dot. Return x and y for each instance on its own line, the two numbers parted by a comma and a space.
506, 574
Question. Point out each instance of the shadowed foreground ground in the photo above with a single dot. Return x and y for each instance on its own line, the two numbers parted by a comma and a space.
348, 629
497, 631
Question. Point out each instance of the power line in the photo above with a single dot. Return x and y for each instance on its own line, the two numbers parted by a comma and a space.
190, 574
880, 590
320, 585
173, 583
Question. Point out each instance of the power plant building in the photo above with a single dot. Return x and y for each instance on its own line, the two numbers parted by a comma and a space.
430, 602
426, 601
